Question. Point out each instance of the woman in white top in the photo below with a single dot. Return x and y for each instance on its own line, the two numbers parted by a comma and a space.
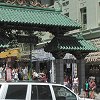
75, 84
34, 75
16, 75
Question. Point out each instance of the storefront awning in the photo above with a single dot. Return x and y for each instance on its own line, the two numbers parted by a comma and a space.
10, 53
3, 54
14, 53
93, 57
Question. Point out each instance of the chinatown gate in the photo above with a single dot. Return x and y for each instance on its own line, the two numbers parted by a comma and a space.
15, 18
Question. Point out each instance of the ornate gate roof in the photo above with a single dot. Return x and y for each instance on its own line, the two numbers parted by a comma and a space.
29, 15
70, 44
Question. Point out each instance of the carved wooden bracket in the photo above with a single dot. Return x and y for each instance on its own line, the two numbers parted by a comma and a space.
58, 54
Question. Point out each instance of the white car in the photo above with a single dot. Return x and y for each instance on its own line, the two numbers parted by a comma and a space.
35, 91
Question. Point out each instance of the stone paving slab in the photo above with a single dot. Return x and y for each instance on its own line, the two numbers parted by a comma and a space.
97, 96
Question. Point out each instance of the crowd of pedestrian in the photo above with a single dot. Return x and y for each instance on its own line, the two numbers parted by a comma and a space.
18, 74
68, 81
72, 83
89, 86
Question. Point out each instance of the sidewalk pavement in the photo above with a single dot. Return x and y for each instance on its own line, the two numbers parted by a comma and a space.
2, 80
97, 96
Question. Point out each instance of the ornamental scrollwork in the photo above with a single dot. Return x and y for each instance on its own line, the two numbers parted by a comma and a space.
24, 2
20, 2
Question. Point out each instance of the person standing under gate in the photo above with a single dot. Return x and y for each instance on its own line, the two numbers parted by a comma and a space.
92, 85
86, 89
75, 84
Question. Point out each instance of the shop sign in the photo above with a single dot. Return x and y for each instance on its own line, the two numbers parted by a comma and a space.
74, 69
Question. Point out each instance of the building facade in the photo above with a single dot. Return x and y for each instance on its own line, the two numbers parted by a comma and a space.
87, 13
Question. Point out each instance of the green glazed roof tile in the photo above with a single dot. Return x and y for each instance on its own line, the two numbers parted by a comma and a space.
70, 43
4, 46
33, 15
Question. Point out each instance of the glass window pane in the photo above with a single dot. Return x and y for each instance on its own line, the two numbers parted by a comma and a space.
63, 93
41, 92
34, 95
83, 15
84, 19
16, 92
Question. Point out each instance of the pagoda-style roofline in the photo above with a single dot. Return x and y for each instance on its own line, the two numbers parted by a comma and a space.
70, 44
35, 18
4, 5
24, 2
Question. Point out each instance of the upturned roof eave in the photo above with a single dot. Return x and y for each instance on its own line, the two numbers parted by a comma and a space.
69, 45
49, 17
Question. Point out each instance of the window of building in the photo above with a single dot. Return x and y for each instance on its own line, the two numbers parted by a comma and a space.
83, 17
16, 92
41, 92
65, 3
67, 14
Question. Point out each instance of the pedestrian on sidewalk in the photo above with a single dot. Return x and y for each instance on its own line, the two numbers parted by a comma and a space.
92, 85
86, 89
35, 75
75, 84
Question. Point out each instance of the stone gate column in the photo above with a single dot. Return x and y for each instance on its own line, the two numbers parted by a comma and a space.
52, 71
59, 71
81, 74
81, 69
37, 66
59, 66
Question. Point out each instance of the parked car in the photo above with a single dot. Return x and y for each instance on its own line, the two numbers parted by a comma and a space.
35, 91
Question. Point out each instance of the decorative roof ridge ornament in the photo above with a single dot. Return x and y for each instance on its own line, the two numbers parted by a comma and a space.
24, 3
57, 6
5, 5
